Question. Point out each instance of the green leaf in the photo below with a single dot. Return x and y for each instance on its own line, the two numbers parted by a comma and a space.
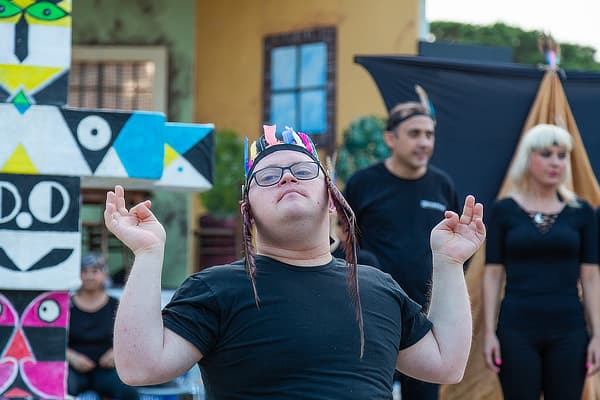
362, 146
223, 199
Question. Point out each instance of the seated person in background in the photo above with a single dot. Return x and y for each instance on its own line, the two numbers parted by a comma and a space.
89, 352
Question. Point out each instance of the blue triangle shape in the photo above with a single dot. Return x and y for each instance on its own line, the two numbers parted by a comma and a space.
182, 137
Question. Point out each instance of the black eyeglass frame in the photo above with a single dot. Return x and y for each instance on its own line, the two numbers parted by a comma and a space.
282, 171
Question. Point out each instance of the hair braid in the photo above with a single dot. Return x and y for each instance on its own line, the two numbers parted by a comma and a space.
249, 259
348, 219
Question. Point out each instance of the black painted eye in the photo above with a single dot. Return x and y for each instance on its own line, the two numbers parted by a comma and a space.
49, 202
10, 201
94, 133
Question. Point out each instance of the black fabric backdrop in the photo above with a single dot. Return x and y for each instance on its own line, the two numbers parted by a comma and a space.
481, 109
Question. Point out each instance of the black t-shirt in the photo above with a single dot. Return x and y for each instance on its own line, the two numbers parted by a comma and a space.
363, 257
395, 217
542, 269
91, 333
303, 342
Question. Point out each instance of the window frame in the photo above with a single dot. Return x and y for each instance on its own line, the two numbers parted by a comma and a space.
328, 35
156, 54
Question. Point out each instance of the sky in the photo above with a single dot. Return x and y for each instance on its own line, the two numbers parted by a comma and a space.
572, 21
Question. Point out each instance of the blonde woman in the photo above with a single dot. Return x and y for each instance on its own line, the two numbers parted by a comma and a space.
543, 240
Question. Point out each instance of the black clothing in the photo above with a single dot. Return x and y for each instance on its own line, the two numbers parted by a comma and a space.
395, 217
412, 388
103, 381
541, 326
363, 257
542, 269
91, 333
533, 362
303, 342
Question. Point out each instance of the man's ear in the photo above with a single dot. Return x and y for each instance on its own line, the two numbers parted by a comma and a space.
389, 138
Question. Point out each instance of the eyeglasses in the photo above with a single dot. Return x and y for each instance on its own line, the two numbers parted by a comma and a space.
304, 171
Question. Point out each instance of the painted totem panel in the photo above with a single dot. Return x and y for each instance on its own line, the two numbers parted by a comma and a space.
33, 338
35, 51
40, 238
61, 141
188, 162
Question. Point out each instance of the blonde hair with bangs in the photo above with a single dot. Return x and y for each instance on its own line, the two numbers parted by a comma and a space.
539, 137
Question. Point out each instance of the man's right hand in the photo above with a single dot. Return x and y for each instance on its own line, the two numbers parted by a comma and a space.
137, 228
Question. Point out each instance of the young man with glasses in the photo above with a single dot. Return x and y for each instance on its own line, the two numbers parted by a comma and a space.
289, 321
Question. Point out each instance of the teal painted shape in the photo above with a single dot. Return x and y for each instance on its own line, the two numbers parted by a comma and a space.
22, 108
141, 146
182, 137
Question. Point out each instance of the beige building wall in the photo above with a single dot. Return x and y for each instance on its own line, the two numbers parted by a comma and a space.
229, 64
229, 55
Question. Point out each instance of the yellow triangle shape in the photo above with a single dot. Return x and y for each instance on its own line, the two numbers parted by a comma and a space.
29, 76
23, 3
19, 163
170, 155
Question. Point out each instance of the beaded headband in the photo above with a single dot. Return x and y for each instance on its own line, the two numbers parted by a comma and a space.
271, 141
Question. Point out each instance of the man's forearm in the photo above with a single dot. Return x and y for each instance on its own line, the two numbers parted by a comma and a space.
450, 313
138, 326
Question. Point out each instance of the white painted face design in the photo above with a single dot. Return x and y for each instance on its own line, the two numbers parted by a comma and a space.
40, 237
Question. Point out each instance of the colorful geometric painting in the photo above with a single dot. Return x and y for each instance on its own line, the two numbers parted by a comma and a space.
35, 51
47, 152
60, 141
188, 160
40, 238
33, 338
106, 147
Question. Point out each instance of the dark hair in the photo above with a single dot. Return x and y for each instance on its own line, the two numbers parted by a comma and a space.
93, 260
403, 111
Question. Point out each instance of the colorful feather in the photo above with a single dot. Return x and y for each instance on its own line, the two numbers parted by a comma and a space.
288, 136
306, 141
246, 167
270, 133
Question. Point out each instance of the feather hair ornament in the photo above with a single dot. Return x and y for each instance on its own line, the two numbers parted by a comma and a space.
424, 100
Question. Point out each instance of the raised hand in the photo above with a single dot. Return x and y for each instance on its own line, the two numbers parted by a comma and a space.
458, 238
137, 228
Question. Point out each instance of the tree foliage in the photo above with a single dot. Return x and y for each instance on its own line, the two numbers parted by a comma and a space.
362, 146
523, 43
223, 199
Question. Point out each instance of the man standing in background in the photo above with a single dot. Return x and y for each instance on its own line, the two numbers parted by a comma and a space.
397, 202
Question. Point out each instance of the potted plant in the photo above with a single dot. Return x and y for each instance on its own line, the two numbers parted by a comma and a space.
219, 234
363, 145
